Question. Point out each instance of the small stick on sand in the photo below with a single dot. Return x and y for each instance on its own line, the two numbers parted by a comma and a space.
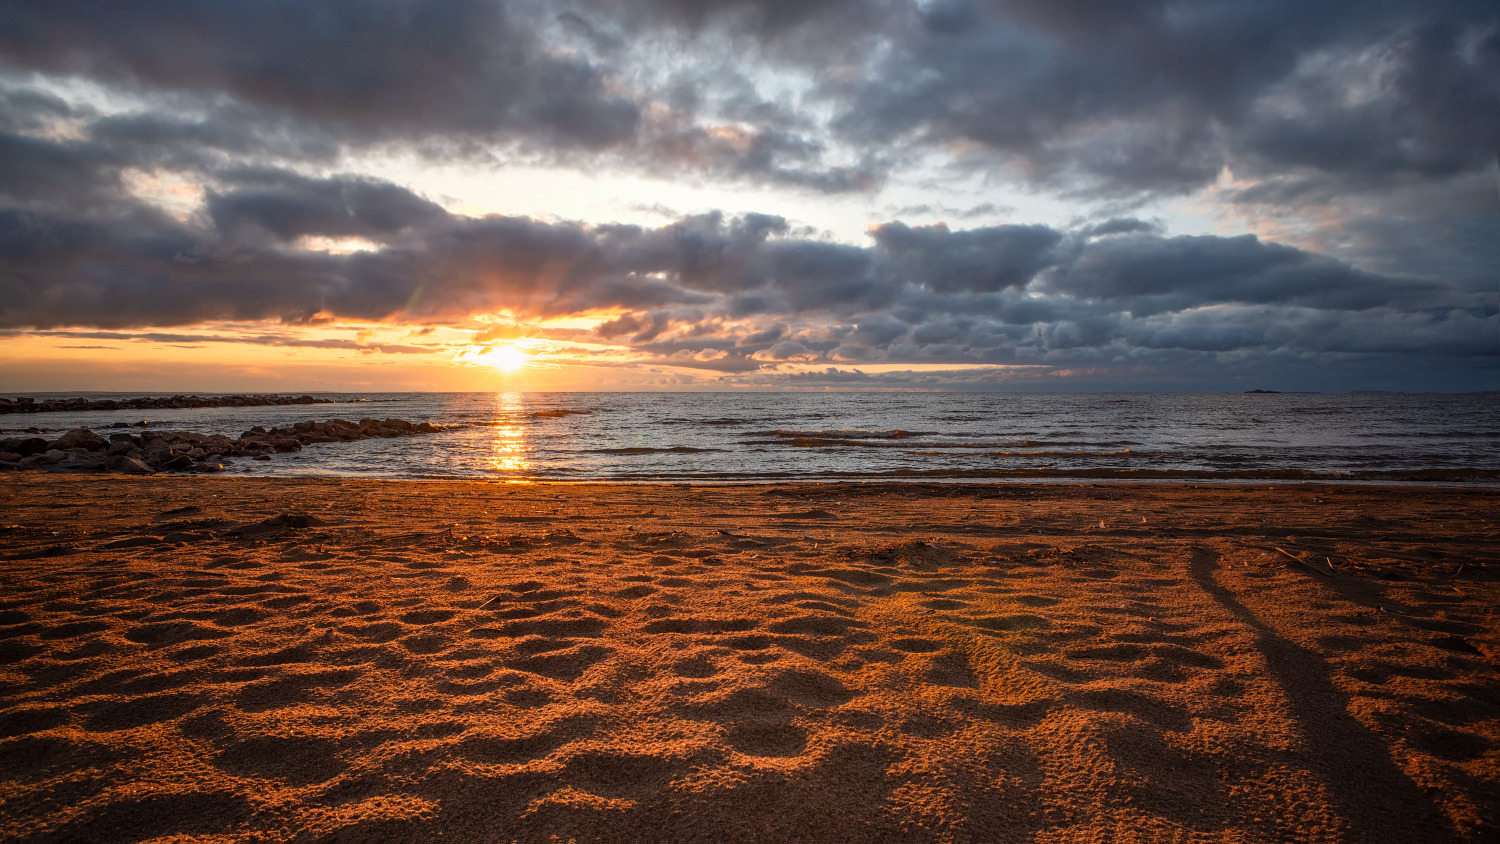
1329, 573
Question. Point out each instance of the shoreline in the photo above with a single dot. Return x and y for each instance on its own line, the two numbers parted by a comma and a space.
266, 659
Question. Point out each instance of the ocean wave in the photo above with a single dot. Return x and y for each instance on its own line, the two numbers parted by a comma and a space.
1432, 435
920, 446
556, 414
676, 449
1124, 452
727, 420
1425, 476
896, 434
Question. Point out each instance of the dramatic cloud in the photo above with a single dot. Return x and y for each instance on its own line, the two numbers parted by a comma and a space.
717, 292
166, 165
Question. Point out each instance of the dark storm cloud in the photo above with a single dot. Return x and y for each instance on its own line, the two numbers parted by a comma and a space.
376, 68
1126, 97
1438, 113
1152, 95
766, 18
37, 171
223, 135
998, 295
245, 339
289, 206
979, 260
449, 78
1367, 130
1445, 229
29, 110
1146, 275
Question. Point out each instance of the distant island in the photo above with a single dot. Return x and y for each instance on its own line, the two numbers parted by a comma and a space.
29, 405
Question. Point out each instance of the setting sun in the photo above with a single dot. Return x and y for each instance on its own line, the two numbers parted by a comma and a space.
506, 358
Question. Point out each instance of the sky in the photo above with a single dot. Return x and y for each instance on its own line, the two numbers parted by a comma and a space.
370, 195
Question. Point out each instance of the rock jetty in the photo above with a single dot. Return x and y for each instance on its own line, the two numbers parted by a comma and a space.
31, 405
148, 452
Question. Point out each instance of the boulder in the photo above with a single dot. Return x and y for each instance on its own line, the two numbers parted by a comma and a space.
129, 466
80, 438
85, 463
178, 463
24, 446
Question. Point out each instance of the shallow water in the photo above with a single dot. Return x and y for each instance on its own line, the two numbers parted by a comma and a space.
864, 436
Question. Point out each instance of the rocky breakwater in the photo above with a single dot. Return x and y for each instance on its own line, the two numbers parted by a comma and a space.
31, 405
82, 450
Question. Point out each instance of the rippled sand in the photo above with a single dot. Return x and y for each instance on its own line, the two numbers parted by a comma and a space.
216, 659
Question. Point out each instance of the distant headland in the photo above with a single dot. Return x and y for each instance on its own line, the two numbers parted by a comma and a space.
30, 405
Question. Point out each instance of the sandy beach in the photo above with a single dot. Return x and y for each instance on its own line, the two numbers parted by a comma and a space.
221, 659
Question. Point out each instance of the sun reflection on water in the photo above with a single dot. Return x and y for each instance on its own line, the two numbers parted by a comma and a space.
508, 451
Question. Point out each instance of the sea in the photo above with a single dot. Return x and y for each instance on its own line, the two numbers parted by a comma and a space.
764, 437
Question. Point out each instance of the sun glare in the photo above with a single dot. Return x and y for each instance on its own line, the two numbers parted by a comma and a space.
506, 358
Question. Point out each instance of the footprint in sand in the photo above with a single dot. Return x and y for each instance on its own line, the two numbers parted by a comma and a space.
566, 665
427, 616
696, 667
914, 646
773, 738
691, 625
129, 713
297, 760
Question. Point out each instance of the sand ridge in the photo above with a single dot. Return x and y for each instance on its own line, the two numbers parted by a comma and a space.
217, 659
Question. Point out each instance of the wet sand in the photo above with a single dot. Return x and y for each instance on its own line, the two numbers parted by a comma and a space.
223, 659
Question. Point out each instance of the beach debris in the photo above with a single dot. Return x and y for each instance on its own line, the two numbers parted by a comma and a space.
739, 537
1304, 562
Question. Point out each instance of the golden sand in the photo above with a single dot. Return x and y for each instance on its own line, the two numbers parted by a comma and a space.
221, 659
